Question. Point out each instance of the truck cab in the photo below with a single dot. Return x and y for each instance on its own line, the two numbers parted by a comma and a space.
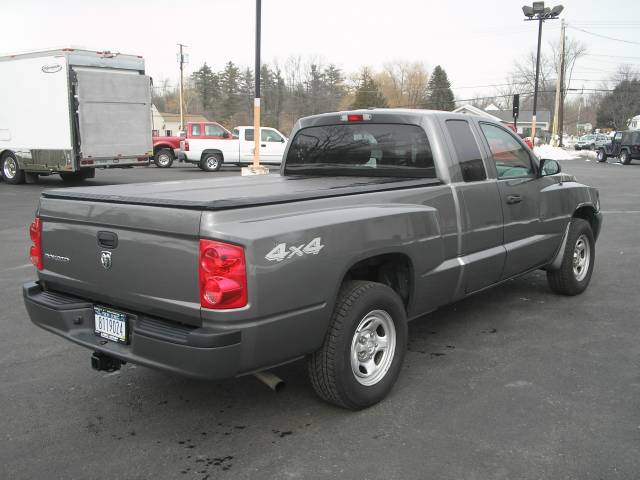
209, 145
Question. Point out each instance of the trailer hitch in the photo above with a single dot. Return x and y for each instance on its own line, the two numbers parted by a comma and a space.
103, 362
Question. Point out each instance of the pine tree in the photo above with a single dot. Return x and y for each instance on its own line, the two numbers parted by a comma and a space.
367, 93
207, 87
439, 94
230, 91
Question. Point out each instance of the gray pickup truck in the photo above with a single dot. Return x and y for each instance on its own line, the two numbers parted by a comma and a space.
377, 217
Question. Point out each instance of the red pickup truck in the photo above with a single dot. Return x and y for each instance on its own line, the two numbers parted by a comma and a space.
165, 150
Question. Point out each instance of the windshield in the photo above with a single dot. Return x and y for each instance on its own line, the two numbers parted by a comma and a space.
375, 149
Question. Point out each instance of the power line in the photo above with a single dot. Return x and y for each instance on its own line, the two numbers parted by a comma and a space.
604, 36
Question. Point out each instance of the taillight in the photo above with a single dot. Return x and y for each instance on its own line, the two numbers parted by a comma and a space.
186, 146
223, 275
35, 252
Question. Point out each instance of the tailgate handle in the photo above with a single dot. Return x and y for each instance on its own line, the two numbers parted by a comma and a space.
107, 239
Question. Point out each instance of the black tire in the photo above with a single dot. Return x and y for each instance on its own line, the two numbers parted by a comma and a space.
566, 280
11, 170
164, 158
602, 156
625, 158
78, 176
211, 162
330, 369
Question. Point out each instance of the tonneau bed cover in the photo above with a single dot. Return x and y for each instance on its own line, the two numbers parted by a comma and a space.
234, 192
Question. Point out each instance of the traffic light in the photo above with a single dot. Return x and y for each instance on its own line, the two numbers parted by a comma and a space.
516, 105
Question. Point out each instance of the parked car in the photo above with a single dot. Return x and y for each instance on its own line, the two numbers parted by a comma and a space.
71, 111
212, 145
378, 217
624, 144
165, 150
591, 141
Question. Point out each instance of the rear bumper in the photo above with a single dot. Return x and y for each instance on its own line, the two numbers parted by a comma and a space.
202, 353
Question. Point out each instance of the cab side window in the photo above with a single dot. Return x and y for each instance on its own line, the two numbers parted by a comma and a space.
267, 135
248, 134
467, 151
509, 155
213, 130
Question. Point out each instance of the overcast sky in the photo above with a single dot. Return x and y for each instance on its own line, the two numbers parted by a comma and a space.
475, 41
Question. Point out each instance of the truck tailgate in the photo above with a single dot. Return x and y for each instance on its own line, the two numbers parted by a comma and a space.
153, 256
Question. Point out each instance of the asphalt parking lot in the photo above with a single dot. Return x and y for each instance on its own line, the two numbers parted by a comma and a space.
513, 383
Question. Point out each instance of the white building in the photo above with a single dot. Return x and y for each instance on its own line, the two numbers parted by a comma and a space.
169, 123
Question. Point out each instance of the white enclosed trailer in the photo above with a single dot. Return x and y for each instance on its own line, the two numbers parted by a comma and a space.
71, 111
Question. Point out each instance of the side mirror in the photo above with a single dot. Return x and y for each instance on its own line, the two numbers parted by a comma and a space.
226, 135
549, 167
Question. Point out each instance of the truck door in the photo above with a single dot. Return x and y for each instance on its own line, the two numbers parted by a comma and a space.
529, 242
246, 145
272, 146
480, 214
114, 113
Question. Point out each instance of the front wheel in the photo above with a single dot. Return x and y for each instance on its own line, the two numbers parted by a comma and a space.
211, 162
163, 158
11, 170
602, 157
578, 260
364, 347
625, 158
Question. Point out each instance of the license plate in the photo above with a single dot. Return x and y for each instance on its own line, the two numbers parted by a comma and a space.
111, 325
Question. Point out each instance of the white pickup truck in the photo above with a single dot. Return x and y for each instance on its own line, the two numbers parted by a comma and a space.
209, 145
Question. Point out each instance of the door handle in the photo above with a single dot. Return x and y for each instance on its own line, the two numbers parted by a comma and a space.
263, 145
511, 199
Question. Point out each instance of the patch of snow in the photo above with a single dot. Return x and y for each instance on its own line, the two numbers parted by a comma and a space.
555, 153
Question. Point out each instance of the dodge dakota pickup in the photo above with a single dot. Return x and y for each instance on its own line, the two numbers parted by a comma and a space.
377, 217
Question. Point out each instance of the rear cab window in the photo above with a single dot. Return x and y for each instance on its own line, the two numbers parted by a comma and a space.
467, 151
195, 130
363, 149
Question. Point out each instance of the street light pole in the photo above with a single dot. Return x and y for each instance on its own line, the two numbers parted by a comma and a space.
538, 12
181, 62
535, 88
256, 168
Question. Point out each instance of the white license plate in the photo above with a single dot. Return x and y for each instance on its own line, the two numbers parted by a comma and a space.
110, 324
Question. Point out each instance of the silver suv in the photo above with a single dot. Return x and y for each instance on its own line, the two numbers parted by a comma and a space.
591, 141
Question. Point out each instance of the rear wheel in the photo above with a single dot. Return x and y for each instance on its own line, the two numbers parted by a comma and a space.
625, 158
364, 347
163, 158
602, 157
11, 170
578, 260
79, 175
211, 162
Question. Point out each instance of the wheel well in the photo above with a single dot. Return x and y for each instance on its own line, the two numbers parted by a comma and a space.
205, 152
588, 213
160, 147
392, 269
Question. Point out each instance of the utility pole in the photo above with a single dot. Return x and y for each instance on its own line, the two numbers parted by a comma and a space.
562, 73
535, 89
181, 62
256, 168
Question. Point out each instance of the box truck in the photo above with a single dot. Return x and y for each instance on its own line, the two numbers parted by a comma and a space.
70, 111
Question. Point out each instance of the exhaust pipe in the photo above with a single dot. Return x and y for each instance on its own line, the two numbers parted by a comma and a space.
271, 380
103, 362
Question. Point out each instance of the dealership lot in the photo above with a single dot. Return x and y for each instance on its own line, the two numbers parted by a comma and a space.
512, 383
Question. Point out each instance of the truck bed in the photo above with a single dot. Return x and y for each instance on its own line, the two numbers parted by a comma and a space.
234, 192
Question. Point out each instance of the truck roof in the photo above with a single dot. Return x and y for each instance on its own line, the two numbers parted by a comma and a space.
81, 57
389, 113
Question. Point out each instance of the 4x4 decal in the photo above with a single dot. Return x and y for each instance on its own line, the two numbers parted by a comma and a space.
282, 252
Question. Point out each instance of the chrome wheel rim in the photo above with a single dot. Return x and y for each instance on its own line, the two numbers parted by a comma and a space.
373, 347
581, 257
212, 163
163, 159
9, 168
